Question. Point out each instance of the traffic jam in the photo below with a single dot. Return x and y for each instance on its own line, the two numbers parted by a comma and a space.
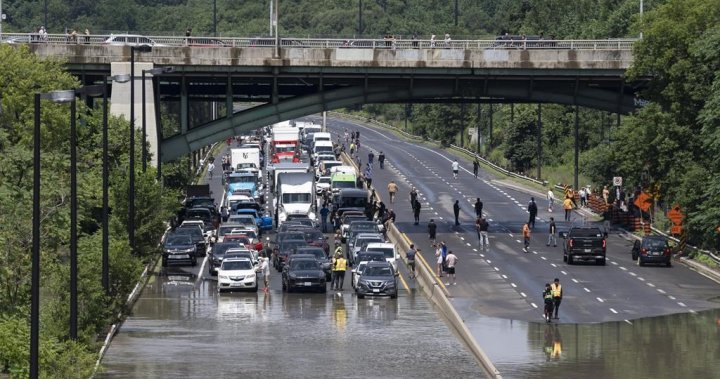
289, 204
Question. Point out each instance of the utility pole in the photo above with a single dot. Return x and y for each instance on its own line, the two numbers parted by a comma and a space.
479, 128
539, 140
275, 24
360, 8
641, 17
456, 12
271, 17
462, 124
577, 147
214, 20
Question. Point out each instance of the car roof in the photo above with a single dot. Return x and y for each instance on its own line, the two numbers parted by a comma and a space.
379, 264
380, 245
353, 192
237, 259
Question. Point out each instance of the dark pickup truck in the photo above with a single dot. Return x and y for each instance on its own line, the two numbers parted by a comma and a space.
584, 244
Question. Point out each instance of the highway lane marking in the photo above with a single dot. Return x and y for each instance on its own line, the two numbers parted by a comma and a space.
482, 255
623, 268
553, 264
518, 241
523, 294
513, 285
510, 234
661, 291
600, 300
628, 321
671, 297
496, 269
543, 258
407, 288
615, 263
475, 250
613, 311
586, 289
651, 285
563, 272
641, 279
467, 243
488, 261
682, 304
534, 306
574, 280
632, 273
504, 276
535, 252
462, 238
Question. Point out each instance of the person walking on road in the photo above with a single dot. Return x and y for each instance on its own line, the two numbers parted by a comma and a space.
478, 207
456, 210
551, 233
482, 231
526, 237
455, 168
410, 255
413, 196
265, 271
339, 271
440, 259
368, 176
550, 199
548, 300
567, 206
557, 296
432, 230
392, 190
324, 212
476, 167
211, 169
381, 160
532, 209
450, 261
371, 157
416, 211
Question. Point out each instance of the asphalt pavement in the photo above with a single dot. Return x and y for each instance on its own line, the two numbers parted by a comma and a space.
504, 281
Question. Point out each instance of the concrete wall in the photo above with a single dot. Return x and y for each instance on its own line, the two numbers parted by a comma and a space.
120, 103
344, 57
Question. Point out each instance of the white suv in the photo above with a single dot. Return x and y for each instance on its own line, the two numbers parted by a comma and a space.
236, 274
388, 250
129, 40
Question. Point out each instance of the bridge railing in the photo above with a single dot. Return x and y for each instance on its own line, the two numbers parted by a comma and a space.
324, 43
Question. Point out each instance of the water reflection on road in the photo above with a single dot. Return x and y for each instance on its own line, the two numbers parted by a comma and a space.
180, 329
676, 346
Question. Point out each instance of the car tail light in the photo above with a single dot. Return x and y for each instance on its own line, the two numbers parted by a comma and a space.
666, 252
604, 243
570, 242
643, 251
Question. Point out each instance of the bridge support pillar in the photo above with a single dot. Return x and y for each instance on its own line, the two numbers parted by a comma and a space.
120, 102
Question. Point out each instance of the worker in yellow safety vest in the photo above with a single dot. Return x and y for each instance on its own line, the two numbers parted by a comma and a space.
556, 289
339, 267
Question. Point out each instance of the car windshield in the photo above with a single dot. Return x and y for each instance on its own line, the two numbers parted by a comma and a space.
237, 265
363, 226
387, 251
370, 257
243, 220
177, 240
324, 179
586, 232
289, 245
224, 229
241, 239
191, 203
296, 198
241, 179
304, 265
220, 248
198, 213
348, 220
314, 235
652, 243
290, 236
318, 253
352, 202
193, 231
377, 271
343, 184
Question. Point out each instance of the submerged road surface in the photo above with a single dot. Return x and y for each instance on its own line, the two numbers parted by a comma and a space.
182, 328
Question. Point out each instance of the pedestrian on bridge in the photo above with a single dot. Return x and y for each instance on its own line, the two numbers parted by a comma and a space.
432, 230
416, 211
532, 209
476, 167
456, 210
478, 207
526, 237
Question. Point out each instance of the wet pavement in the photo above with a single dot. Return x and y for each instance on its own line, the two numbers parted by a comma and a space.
181, 328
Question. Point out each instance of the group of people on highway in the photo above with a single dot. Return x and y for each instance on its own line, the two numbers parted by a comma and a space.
552, 297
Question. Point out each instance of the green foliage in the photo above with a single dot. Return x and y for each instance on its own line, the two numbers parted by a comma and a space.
520, 140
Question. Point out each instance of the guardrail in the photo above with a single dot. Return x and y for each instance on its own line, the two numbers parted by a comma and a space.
324, 43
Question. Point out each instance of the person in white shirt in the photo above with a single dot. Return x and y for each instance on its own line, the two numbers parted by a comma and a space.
550, 199
455, 168
265, 271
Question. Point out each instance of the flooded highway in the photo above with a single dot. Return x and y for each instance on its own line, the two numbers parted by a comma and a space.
181, 328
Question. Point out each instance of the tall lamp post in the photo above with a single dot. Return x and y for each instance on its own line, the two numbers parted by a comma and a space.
153, 72
131, 178
56, 97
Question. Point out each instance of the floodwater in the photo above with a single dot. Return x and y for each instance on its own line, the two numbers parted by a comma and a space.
180, 329
676, 346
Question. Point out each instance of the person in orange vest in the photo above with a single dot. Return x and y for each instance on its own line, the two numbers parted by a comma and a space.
526, 236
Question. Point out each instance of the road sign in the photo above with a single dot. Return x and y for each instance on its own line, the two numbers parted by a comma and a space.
643, 201
675, 215
617, 181
676, 230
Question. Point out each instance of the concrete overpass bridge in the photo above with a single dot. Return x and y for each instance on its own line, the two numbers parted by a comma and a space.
294, 77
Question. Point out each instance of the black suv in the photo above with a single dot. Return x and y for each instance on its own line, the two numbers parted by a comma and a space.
652, 249
584, 244
377, 279
197, 236
303, 273
179, 249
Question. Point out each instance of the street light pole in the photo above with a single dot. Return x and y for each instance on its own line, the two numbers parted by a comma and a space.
35, 271
73, 221
131, 178
641, 17
105, 197
144, 126
214, 18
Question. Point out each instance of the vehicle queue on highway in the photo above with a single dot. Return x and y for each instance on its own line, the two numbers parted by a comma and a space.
285, 187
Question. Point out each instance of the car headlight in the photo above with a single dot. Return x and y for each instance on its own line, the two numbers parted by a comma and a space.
390, 284
251, 276
222, 276
189, 251
292, 276
312, 216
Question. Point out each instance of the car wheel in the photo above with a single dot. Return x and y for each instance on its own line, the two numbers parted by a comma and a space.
640, 261
210, 271
601, 261
194, 262
564, 258
255, 288
393, 296
323, 289
634, 256
570, 259
359, 296
668, 264
164, 262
